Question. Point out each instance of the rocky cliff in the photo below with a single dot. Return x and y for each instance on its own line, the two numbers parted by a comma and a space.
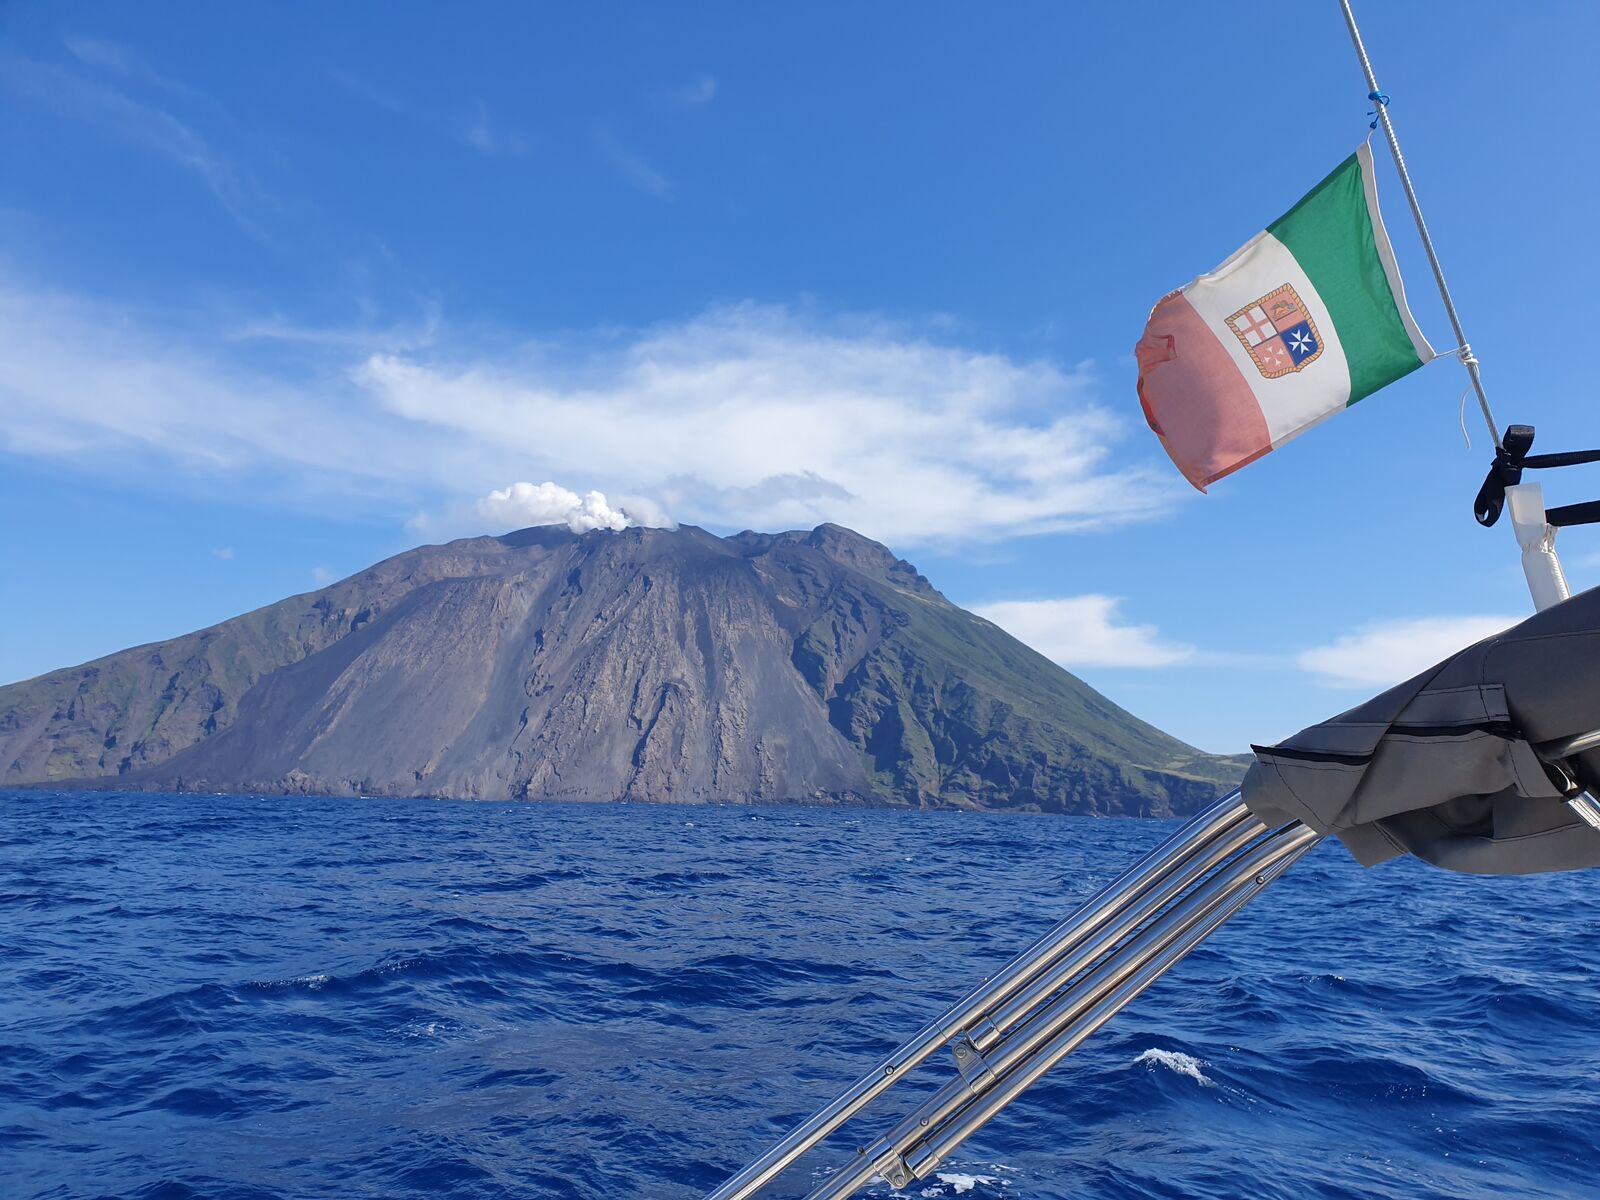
645, 665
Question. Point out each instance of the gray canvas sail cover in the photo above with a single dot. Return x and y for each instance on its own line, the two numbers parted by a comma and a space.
1443, 766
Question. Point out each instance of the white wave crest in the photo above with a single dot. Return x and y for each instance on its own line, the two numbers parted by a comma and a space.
959, 1182
1178, 1063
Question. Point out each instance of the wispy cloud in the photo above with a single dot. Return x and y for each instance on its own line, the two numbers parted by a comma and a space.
225, 553
483, 135
1084, 631
121, 60
366, 339
479, 129
631, 166
89, 384
744, 416
364, 89
1383, 653
145, 126
696, 94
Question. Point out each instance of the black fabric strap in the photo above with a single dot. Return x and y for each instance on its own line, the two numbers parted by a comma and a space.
1587, 513
1568, 458
1511, 458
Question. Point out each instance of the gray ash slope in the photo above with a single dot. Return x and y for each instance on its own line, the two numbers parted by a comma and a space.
642, 665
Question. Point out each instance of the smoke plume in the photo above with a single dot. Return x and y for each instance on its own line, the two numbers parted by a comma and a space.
551, 504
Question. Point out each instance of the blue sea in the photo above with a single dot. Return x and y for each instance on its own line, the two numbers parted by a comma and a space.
252, 999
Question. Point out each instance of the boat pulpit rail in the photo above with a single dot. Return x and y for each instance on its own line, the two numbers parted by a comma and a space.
1016, 1025
1561, 763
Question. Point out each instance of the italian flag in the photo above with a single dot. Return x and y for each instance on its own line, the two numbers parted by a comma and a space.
1305, 319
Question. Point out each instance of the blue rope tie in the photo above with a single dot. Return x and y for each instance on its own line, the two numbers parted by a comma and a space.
1382, 100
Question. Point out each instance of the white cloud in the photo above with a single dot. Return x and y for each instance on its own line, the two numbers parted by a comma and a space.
367, 339
631, 166
322, 575
87, 384
697, 94
1084, 631
743, 417
146, 126
479, 129
1383, 653
365, 89
225, 553
482, 134
752, 416
120, 60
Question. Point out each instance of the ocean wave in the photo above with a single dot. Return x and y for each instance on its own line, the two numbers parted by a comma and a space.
274, 999
1178, 1063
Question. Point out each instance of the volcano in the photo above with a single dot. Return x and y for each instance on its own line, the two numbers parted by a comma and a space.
645, 664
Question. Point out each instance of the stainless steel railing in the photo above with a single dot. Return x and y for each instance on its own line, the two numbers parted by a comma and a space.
1017, 1024
1579, 799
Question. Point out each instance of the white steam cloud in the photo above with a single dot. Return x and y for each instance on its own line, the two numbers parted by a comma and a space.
551, 504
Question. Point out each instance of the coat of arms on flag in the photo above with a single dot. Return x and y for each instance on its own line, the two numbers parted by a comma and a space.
1278, 332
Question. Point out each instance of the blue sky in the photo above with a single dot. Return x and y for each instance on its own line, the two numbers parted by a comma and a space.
286, 289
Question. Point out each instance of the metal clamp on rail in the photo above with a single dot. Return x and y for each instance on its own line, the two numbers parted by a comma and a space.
973, 1067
